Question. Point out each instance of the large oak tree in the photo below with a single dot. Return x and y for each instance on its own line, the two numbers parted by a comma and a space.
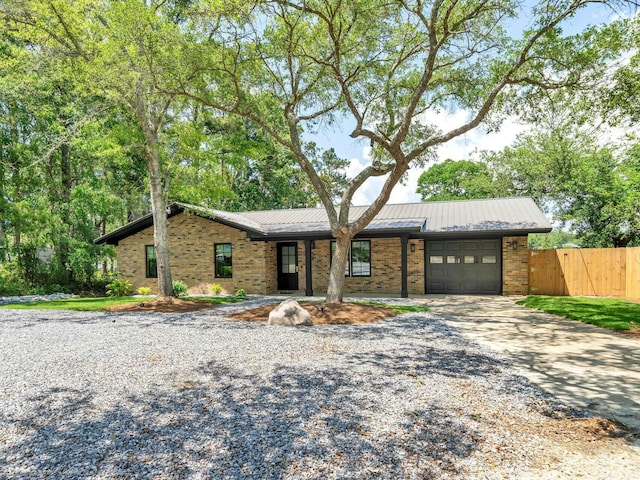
386, 70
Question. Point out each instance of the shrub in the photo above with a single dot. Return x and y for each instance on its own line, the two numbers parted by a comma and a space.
216, 289
241, 292
10, 283
144, 291
179, 288
119, 288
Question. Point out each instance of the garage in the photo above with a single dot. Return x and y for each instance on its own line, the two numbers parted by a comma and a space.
463, 266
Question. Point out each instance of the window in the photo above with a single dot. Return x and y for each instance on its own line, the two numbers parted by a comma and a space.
436, 259
489, 259
359, 262
224, 268
151, 261
361, 258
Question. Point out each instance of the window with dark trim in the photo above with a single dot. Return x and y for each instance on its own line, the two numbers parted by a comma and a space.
359, 260
151, 261
224, 260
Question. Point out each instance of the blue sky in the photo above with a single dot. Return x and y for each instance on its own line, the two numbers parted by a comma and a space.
460, 148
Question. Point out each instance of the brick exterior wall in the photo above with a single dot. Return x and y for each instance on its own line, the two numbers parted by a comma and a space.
386, 272
192, 239
191, 243
415, 267
515, 266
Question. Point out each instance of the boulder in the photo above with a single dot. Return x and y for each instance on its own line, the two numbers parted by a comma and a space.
289, 313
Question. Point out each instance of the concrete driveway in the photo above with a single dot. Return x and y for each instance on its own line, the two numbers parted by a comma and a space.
582, 365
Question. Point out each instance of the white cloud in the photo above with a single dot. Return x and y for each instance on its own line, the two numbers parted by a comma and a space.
464, 147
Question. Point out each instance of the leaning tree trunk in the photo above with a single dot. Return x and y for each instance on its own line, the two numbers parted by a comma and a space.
338, 265
159, 211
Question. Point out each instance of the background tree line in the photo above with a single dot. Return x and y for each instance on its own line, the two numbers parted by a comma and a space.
587, 180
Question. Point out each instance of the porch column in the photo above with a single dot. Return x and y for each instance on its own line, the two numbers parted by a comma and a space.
308, 291
404, 239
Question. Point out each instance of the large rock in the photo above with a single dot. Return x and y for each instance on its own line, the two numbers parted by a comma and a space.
289, 313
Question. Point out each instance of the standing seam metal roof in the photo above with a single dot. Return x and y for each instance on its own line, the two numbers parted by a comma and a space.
461, 216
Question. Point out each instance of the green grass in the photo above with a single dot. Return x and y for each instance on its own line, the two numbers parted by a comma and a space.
608, 313
102, 303
217, 300
398, 308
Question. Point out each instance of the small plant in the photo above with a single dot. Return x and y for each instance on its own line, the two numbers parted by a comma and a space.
180, 288
144, 291
216, 289
241, 292
119, 288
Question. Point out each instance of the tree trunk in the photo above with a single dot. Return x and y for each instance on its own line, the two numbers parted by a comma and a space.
159, 211
338, 266
66, 185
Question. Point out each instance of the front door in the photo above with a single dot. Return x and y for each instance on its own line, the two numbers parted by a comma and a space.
287, 266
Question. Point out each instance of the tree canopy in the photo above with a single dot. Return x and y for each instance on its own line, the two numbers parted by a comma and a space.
387, 69
461, 180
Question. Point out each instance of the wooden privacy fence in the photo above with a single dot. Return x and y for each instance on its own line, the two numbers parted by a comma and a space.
605, 272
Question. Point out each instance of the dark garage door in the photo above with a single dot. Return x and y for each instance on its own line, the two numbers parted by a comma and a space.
464, 266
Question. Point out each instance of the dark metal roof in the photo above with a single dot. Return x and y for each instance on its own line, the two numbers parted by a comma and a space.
500, 216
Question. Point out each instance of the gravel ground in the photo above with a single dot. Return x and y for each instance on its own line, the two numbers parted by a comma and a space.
118, 395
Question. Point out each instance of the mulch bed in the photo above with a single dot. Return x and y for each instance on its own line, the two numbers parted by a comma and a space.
326, 313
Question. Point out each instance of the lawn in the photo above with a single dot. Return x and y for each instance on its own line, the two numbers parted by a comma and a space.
398, 308
608, 313
102, 303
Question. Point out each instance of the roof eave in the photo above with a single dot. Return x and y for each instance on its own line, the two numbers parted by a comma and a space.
131, 228
326, 234
485, 233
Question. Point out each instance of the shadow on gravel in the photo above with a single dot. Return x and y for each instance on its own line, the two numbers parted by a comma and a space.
228, 424
366, 418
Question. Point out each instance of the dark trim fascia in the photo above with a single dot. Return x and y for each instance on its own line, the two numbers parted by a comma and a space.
478, 234
146, 221
327, 236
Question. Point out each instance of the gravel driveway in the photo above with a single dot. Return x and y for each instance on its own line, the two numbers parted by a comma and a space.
105, 395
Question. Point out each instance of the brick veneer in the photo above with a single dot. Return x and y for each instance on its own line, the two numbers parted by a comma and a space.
385, 269
192, 239
191, 243
515, 266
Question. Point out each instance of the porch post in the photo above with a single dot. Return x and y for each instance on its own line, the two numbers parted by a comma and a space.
404, 239
308, 291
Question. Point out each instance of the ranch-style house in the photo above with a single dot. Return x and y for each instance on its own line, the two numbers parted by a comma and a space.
455, 247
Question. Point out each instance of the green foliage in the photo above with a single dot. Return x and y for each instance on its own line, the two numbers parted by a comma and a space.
553, 239
143, 290
119, 288
594, 189
241, 292
180, 288
604, 312
216, 288
460, 180
10, 282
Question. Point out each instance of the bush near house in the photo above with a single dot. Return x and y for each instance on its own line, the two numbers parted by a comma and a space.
119, 288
